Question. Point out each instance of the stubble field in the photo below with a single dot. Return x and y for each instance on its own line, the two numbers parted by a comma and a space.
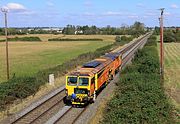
172, 72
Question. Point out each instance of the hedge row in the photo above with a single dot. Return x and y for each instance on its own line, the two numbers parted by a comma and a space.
123, 38
170, 36
22, 87
68, 39
139, 97
23, 39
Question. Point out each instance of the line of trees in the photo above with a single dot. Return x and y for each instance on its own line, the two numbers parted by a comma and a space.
28, 30
136, 29
170, 34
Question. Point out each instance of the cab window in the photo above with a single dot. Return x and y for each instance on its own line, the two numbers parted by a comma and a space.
72, 81
83, 81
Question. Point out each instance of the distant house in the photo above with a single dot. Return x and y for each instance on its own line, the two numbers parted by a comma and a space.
58, 30
20, 30
30, 29
78, 32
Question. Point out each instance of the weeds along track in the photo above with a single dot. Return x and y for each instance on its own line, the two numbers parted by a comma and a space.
52, 110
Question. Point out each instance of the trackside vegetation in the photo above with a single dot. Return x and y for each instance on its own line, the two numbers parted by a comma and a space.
67, 39
33, 39
139, 97
22, 87
170, 34
124, 39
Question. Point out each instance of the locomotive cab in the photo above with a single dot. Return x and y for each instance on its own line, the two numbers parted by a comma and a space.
78, 89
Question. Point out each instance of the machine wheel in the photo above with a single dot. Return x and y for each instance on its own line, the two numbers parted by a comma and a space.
66, 101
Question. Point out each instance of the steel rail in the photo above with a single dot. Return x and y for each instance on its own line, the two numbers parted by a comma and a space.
132, 51
130, 45
40, 103
59, 115
79, 115
43, 113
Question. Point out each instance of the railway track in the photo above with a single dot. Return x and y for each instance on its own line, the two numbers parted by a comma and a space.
46, 110
70, 116
37, 110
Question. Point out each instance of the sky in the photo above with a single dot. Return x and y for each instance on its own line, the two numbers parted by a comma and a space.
59, 13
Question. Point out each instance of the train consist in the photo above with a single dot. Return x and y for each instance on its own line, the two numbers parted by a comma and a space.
83, 84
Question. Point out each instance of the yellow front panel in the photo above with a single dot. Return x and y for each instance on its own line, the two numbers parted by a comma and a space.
70, 89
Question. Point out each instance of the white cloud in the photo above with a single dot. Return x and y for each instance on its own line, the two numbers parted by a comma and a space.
49, 3
15, 7
26, 13
145, 16
174, 6
133, 16
88, 4
88, 14
140, 5
111, 13
167, 13
18, 9
151, 14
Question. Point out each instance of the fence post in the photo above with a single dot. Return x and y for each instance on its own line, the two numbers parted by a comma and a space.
51, 79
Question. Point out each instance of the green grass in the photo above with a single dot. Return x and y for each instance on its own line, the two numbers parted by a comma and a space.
172, 71
26, 59
158, 37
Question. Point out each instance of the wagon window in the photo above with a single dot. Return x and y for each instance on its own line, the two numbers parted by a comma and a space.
83, 81
72, 81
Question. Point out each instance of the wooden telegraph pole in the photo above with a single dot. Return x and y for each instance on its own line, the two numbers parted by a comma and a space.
5, 11
161, 45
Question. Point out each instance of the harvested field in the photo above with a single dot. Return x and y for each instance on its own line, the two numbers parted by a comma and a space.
27, 58
172, 71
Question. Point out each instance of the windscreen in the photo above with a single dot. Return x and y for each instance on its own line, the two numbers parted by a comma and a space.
83, 81
72, 81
